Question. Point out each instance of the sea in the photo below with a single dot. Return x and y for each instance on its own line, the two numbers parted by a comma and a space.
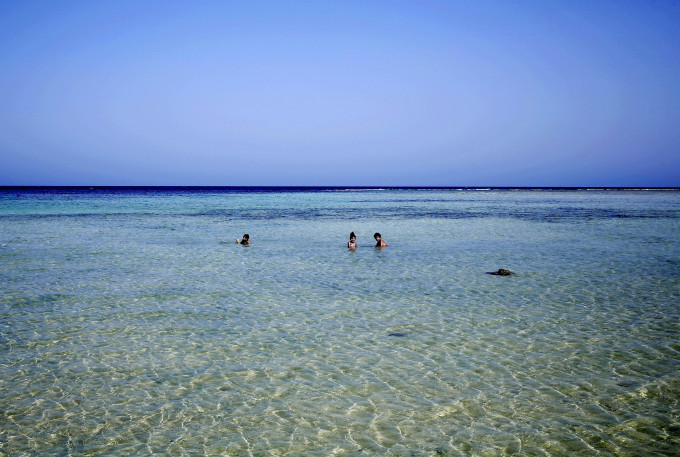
133, 323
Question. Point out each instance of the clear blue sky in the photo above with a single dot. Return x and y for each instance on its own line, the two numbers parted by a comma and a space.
321, 92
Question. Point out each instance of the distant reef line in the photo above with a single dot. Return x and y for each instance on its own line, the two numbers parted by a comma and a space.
57, 189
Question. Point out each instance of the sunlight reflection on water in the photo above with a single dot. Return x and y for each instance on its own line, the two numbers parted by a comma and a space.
136, 325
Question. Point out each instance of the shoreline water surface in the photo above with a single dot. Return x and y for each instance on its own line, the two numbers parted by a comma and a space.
128, 326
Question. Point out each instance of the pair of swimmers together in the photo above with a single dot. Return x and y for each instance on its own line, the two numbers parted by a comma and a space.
352, 244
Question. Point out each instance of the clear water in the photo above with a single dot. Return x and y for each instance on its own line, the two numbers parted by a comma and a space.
131, 323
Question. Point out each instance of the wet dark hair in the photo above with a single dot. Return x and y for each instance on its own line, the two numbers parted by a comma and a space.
376, 234
246, 237
352, 235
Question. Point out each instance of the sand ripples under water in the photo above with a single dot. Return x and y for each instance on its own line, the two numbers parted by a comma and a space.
132, 324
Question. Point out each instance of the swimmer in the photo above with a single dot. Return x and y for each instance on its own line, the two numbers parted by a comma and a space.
352, 243
380, 243
245, 241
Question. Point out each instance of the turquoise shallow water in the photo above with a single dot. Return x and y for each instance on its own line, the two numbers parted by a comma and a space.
131, 323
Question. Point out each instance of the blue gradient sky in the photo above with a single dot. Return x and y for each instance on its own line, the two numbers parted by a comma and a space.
513, 93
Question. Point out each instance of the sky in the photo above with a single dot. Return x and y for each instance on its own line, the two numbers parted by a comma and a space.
335, 93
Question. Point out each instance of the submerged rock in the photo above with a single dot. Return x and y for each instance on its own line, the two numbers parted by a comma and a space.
501, 272
398, 334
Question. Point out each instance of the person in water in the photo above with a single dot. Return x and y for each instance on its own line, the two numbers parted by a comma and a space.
352, 243
380, 243
245, 241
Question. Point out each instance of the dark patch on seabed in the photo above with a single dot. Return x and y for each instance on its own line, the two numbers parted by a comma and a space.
501, 272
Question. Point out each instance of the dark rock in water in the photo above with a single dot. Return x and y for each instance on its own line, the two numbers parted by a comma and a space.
628, 384
399, 334
501, 272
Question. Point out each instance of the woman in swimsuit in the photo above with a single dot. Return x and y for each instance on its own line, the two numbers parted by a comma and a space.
352, 243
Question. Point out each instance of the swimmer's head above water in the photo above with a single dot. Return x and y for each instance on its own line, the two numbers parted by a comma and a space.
379, 241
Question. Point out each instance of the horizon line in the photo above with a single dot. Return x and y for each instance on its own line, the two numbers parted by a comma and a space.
327, 187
